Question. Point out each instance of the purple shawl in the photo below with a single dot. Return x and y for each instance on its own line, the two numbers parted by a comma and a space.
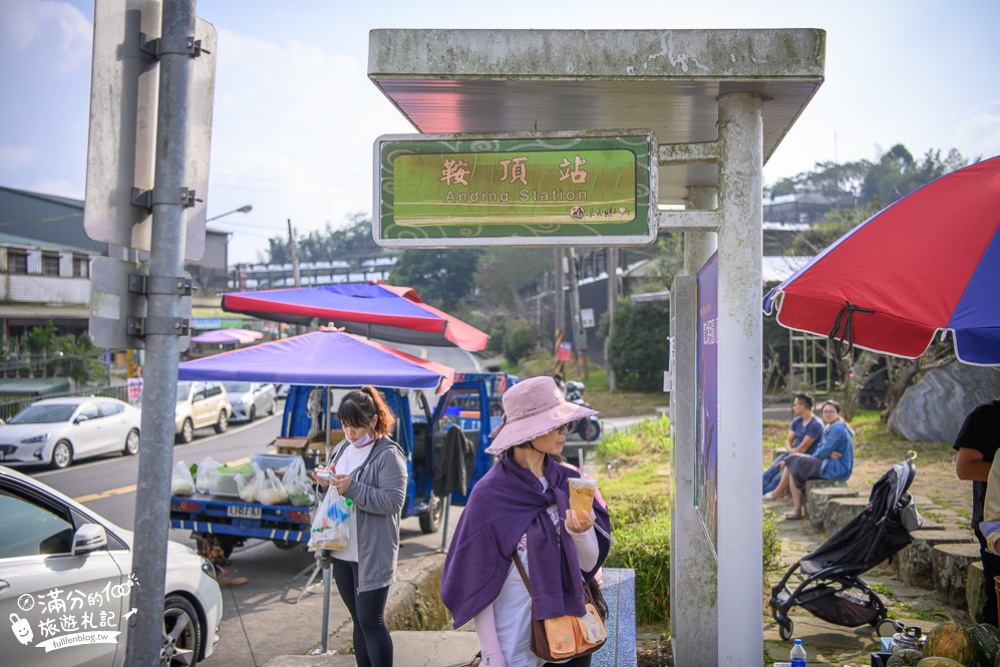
505, 504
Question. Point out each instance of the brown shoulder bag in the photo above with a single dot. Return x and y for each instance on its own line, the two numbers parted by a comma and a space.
554, 639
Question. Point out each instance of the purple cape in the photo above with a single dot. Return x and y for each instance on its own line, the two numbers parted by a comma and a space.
505, 504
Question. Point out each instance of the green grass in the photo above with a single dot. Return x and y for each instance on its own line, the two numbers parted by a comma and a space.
650, 438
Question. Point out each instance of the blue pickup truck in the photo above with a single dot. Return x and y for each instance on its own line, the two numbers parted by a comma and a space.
472, 403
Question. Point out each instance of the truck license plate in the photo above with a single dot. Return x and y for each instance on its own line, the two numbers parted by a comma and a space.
243, 512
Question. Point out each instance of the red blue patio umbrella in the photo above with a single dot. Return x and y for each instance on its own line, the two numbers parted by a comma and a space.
227, 336
325, 357
380, 311
929, 263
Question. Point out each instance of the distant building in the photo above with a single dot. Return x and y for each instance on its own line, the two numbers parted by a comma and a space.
46, 259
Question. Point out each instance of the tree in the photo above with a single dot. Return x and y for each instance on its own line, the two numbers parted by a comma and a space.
897, 173
639, 350
504, 272
442, 276
350, 242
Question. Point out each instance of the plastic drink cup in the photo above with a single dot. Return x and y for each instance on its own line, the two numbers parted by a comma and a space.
581, 495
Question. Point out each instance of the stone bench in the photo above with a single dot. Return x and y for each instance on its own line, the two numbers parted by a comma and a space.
915, 560
841, 512
817, 502
951, 571
618, 588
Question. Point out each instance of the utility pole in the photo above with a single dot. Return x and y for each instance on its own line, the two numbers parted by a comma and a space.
559, 283
579, 335
295, 257
295, 266
170, 197
612, 307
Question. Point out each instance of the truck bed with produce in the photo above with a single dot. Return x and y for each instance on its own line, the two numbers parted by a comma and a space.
471, 404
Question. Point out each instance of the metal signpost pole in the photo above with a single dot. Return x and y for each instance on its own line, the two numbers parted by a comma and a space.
163, 327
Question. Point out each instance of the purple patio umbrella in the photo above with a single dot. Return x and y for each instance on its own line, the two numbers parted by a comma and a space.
227, 336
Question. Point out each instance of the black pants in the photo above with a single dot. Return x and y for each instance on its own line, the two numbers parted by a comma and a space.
991, 568
372, 643
582, 661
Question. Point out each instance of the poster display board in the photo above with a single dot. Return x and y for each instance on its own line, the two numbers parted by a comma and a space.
706, 465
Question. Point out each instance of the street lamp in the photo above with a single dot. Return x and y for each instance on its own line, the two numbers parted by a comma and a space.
242, 209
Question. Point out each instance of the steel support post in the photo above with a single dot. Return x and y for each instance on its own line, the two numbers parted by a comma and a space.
152, 500
694, 628
740, 395
694, 594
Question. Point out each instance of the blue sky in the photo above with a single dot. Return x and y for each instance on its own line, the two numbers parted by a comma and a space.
296, 116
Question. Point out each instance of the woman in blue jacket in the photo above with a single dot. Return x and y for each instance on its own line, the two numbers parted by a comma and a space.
833, 459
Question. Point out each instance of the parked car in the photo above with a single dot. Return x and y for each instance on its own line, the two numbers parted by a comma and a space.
65, 574
249, 399
58, 431
200, 404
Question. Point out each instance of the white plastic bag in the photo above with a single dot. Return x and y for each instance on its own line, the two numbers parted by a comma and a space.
208, 475
181, 484
271, 491
329, 526
298, 485
248, 484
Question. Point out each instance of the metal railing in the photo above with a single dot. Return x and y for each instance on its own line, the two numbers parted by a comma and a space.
11, 408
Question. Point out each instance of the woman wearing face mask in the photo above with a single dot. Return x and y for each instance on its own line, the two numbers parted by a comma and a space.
368, 468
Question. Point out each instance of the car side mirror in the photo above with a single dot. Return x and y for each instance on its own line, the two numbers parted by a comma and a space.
81, 418
199, 397
90, 537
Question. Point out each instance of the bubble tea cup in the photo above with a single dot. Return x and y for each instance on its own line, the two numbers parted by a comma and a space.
581, 495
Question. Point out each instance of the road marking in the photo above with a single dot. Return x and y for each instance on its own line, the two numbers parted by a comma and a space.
130, 489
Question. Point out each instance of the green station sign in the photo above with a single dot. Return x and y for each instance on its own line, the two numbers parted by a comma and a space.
543, 189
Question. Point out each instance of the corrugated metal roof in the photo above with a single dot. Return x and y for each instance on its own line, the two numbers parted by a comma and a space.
45, 218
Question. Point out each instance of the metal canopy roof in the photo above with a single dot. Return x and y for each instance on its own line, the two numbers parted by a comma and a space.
478, 81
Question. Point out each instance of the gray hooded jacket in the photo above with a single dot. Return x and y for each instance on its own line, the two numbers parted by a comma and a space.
377, 494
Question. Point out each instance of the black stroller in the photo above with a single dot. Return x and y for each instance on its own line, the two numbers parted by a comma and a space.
827, 582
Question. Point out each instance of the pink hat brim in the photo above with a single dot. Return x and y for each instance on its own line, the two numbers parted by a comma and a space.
529, 428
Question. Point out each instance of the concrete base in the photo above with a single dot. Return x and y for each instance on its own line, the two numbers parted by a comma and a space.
410, 648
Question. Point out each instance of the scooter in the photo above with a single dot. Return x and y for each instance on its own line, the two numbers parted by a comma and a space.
588, 428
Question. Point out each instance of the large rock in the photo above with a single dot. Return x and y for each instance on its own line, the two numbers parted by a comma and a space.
933, 409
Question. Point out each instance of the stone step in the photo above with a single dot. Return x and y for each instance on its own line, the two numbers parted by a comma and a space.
841, 512
951, 570
915, 563
818, 500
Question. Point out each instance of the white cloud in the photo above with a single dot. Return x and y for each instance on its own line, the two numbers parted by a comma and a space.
977, 131
28, 24
16, 157
59, 187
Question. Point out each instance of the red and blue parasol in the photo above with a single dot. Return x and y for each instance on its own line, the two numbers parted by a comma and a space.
927, 265
325, 357
376, 310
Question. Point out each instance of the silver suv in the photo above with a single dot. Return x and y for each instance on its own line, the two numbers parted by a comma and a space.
200, 404
249, 400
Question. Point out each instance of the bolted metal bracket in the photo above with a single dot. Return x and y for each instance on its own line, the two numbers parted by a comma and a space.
154, 47
147, 198
162, 326
141, 284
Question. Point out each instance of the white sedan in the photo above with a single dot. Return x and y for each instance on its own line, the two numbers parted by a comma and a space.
65, 585
57, 431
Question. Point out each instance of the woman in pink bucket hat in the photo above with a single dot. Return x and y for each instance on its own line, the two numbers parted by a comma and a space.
520, 509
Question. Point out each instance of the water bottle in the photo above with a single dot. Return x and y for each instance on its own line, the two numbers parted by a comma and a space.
798, 654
